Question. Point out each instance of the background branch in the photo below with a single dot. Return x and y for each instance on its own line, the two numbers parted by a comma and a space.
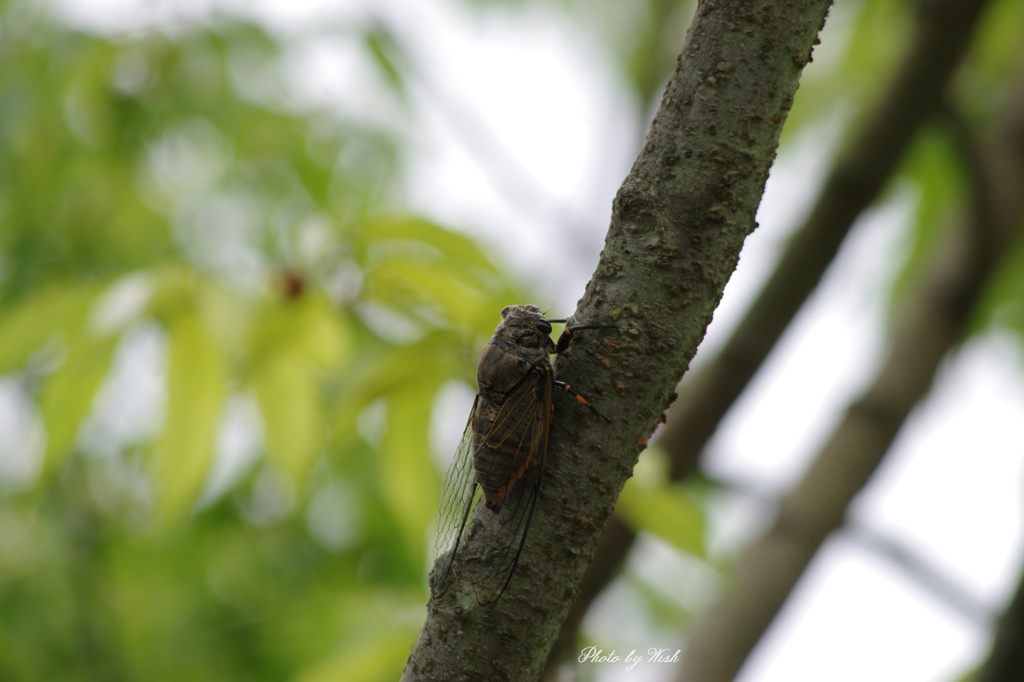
930, 324
940, 585
1005, 661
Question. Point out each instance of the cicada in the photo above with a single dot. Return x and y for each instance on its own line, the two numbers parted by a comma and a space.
504, 448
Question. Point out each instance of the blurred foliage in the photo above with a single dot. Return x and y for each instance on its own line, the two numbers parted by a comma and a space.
651, 502
224, 337
158, 187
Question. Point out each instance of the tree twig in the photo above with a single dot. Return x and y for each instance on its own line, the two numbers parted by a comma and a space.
943, 587
1005, 662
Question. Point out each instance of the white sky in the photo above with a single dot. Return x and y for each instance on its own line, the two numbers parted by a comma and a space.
534, 91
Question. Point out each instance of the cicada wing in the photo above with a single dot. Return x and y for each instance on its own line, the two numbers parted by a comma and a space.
456, 501
520, 432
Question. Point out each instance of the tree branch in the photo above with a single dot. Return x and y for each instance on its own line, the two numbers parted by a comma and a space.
918, 570
858, 176
677, 227
931, 323
1005, 173
856, 179
1005, 662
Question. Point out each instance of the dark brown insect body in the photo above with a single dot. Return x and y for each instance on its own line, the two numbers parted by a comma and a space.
509, 421
504, 447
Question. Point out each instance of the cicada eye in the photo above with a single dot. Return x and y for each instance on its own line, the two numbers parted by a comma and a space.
504, 311
544, 326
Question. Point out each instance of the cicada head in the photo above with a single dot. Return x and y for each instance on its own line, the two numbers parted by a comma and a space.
526, 327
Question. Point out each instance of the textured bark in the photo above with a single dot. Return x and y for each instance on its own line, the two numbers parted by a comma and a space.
931, 323
678, 224
858, 176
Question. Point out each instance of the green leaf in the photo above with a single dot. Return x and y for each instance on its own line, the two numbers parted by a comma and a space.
651, 503
879, 33
452, 245
68, 394
287, 394
321, 333
408, 470
379, 658
417, 266
195, 393
387, 54
292, 342
393, 370
25, 328
419, 283
309, 326
1002, 303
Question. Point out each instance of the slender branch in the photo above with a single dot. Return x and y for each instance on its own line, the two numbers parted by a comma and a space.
1005, 662
978, 180
856, 179
932, 322
941, 586
1005, 173
678, 224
